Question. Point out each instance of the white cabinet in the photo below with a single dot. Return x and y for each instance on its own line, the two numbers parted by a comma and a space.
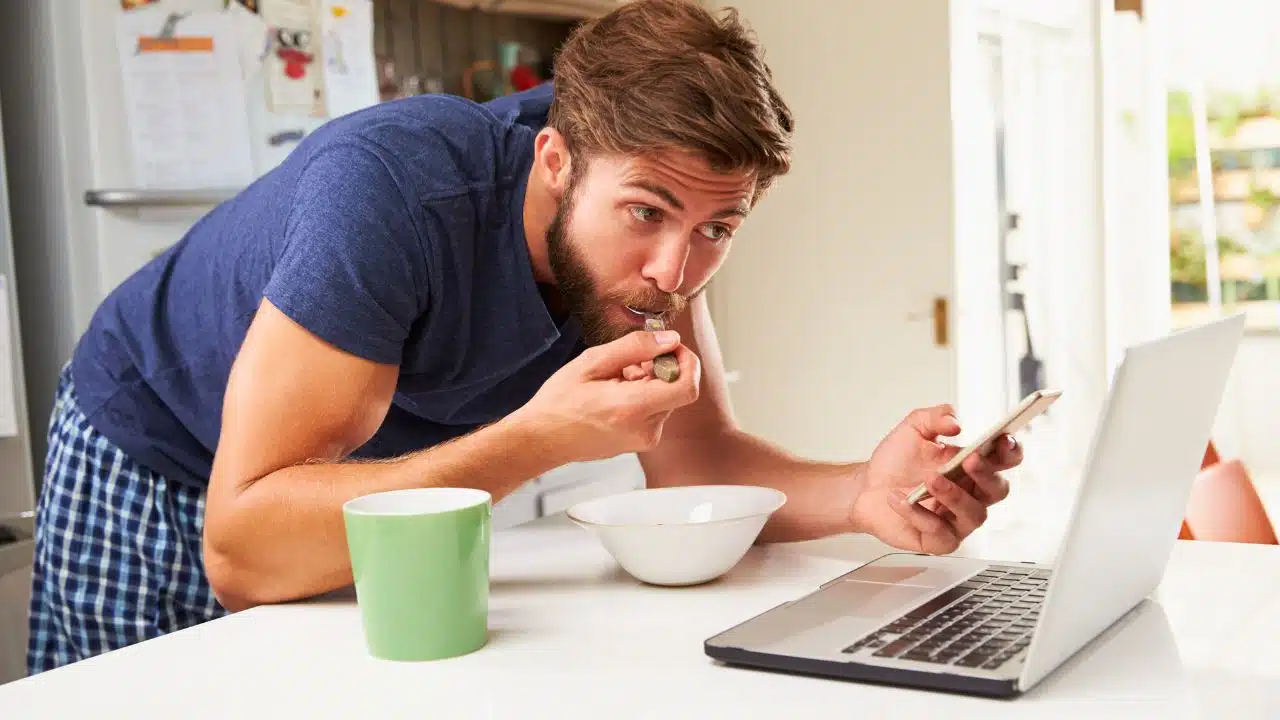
561, 488
575, 483
517, 508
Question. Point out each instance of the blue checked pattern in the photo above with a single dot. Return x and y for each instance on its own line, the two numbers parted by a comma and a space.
117, 548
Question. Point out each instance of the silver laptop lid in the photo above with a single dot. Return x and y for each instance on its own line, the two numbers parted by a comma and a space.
1129, 506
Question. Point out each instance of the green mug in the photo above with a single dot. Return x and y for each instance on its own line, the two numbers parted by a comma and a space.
420, 560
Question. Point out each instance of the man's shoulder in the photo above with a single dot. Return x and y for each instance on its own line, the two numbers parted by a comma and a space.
434, 145
528, 108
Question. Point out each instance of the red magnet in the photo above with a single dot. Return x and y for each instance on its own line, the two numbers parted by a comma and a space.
289, 44
295, 62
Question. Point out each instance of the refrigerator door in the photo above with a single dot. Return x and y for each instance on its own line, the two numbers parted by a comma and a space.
86, 220
17, 487
131, 224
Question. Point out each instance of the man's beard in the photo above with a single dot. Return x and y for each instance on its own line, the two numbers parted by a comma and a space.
578, 289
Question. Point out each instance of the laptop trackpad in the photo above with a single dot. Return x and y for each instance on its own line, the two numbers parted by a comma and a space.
844, 609
862, 599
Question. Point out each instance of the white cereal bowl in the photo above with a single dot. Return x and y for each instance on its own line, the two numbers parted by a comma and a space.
679, 535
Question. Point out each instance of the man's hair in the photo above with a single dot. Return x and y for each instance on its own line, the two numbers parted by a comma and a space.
667, 75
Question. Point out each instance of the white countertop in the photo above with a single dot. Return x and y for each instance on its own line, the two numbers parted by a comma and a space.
574, 637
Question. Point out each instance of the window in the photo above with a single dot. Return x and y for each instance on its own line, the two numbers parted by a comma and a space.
1228, 160
1246, 212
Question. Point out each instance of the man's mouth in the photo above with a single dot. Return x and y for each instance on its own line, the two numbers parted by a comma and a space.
644, 312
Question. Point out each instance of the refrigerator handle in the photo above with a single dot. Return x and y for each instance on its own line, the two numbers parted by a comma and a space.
131, 197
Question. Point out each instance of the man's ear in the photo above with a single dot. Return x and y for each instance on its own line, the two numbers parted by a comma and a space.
552, 160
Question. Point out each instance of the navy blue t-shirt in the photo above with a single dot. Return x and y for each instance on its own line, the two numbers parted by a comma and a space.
394, 233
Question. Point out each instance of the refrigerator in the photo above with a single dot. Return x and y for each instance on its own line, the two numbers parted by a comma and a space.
92, 208
77, 217
88, 213
16, 475
16, 481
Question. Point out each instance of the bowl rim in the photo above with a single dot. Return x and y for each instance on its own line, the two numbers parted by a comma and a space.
780, 499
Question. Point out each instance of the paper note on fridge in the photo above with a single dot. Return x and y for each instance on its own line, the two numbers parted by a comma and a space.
350, 74
8, 380
295, 80
184, 99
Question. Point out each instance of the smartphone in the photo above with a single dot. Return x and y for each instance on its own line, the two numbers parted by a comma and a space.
1026, 411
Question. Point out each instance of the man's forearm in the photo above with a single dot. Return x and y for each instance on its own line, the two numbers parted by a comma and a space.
283, 537
819, 494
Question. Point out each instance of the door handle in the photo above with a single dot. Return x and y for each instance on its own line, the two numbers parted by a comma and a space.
940, 322
938, 316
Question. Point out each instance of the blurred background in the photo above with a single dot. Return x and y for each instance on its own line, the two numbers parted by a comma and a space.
988, 197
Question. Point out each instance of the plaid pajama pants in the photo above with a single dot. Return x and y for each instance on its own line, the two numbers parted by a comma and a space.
117, 548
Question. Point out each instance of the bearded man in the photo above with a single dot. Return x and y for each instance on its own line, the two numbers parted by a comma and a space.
433, 292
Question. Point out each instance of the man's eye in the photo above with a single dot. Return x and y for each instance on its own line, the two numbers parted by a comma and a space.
715, 232
645, 214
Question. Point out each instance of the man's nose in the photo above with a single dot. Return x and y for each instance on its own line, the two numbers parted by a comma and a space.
665, 267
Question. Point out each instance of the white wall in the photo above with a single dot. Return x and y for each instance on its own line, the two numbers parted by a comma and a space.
824, 304
891, 200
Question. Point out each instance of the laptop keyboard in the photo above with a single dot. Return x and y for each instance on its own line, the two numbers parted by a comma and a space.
982, 623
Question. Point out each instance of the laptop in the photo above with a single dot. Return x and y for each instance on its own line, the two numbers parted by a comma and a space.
996, 629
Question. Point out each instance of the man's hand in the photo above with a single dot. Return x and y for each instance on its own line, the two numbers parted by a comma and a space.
590, 411
911, 454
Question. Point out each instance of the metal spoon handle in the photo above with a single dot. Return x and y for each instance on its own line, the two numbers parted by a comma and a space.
665, 366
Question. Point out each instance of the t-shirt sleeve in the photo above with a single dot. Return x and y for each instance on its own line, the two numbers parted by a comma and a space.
352, 269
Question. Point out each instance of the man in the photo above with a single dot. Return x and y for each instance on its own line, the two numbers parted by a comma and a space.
429, 293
